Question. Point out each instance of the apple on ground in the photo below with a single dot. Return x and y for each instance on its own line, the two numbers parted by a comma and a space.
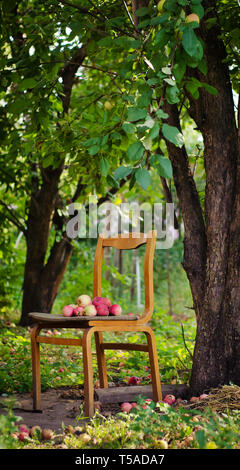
203, 396
193, 399
126, 407
90, 311
170, 399
84, 300
47, 434
23, 428
115, 310
134, 380
22, 436
35, 431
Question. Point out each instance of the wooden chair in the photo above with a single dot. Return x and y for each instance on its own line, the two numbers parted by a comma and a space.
98, 325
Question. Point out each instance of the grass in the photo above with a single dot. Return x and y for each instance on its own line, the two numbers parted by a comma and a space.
149, 425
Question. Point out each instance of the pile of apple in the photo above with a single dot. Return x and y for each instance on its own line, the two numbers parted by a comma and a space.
91, 307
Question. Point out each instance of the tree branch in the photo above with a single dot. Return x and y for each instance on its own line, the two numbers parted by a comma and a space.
12, 218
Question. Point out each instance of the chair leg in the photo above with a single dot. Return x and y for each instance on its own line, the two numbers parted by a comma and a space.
156, 381
88, 373
101, 360
36, 368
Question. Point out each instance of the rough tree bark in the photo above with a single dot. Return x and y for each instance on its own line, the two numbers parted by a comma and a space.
211, 245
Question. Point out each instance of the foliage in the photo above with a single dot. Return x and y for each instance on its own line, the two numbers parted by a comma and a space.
7, 428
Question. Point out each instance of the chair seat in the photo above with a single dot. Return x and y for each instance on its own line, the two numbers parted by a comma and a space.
75, 322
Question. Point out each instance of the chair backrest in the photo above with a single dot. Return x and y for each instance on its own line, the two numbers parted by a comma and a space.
128, 241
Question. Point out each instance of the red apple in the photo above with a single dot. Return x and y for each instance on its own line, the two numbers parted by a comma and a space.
22, 436
78, 311
115, 310
134, 381
126, 407
102, 300
90, 311
67, 311
203, 396
102, 309
193, 399
23, 428
96, 300
170, 399
47, 434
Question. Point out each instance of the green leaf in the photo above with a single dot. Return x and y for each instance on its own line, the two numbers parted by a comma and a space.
143, 177
122, 172
135, 151
27, 83
143, 11
191, 44
192, 86
172, 94
154, 132
94, 149
135, 114
200, 435
161, 115
210, 89
172, 134
164, 167
198, 10
129, 128
104, 166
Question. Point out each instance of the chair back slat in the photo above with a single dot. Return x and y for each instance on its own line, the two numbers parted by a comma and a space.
127, 242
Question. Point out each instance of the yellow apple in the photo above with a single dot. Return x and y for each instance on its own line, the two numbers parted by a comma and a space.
108, 106
192, 17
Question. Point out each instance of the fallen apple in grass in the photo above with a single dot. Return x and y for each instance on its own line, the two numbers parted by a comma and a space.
193, 399
170, 399
126, 407
67, 311
115, 310
90, 311
22, 436
47, 434
134, 381
35, 431
84, 300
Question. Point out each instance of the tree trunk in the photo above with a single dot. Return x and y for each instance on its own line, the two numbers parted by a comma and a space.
211, 246
42, 277
37, 270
